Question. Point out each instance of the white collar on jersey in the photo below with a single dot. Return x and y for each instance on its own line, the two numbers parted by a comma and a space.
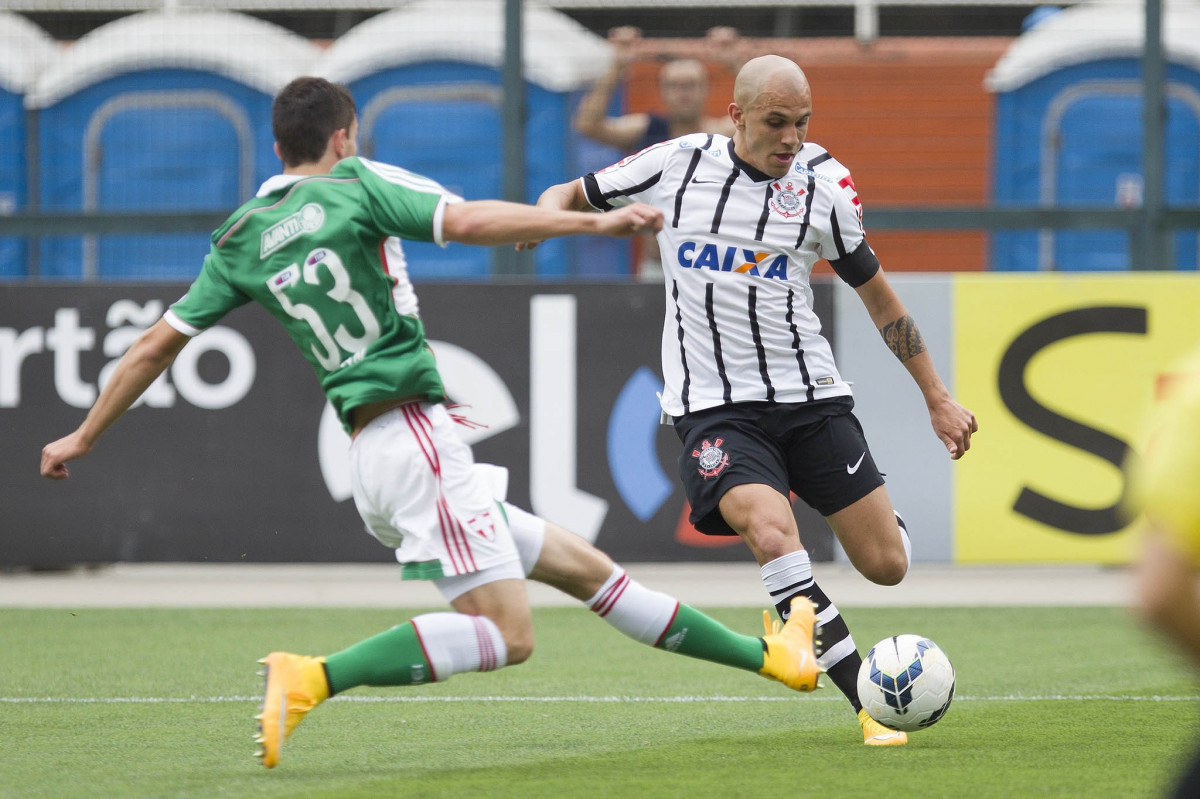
276, 183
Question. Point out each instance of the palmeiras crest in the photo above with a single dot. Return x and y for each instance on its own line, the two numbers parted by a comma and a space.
712, 458
785, 200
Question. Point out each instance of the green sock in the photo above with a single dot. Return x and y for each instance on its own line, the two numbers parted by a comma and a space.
393, 657
696, 635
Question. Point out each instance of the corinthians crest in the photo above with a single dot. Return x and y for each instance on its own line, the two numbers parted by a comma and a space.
713, 459
785, 199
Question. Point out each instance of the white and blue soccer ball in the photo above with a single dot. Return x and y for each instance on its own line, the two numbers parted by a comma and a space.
906, 682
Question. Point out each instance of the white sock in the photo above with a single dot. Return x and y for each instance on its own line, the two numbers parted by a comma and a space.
456, 642
790, 576
634, 609
786, 576
904, 540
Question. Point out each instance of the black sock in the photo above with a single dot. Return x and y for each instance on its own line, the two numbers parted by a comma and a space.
835, 638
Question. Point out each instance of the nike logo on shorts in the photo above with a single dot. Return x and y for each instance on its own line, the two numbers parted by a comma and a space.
852, 469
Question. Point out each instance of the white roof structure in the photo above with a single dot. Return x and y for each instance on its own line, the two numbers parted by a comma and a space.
237, 46
560, 54
25, 50
1092, 31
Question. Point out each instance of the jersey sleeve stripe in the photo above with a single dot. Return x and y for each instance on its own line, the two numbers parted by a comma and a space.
439, 218
716, 223
172, 319
638, 189
766, 212
402, 177
591, 191
630, 159
836, 229
756, 334
820, 159
687, 176
710, 311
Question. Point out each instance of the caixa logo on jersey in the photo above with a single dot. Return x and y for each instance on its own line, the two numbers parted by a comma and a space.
724, 258
67, 340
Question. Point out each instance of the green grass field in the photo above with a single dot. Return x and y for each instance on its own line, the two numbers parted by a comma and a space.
1071, 702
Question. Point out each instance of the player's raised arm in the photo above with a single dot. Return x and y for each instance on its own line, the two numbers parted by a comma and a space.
491, 222
591, 117
568, 196
141, 365
953, 423
563, 197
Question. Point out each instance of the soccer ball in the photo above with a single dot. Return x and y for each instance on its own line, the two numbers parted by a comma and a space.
906, 682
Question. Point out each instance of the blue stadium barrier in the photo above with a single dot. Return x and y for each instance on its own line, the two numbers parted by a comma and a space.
158, 111
1068, 133
25, 50
433, 104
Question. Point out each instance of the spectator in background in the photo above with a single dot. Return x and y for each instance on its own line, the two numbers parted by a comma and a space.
1164, 483
682, 91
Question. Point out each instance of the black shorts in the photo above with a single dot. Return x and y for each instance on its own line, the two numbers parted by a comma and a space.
816, 450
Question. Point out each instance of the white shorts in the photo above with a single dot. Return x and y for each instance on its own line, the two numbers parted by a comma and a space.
417, 491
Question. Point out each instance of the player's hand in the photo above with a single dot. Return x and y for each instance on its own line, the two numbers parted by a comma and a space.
631, 219
56, 454
954, 425
627, 45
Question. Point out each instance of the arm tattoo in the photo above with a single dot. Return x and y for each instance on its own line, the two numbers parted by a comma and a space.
903, 338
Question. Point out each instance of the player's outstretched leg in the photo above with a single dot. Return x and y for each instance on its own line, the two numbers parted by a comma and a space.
294, 685
552, 555
428, 648
790, 653
661, 621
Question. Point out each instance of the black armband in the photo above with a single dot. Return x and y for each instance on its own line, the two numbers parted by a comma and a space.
857, 267
591, 190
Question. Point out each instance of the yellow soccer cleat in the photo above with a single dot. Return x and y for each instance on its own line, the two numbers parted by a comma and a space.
295, 684
875, 734
791, 655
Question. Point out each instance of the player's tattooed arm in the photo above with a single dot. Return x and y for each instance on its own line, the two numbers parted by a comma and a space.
903, 337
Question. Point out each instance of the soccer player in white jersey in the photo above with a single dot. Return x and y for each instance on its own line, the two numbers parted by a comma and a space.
317, 248
751, 385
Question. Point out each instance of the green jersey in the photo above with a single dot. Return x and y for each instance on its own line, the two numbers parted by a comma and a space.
319, 252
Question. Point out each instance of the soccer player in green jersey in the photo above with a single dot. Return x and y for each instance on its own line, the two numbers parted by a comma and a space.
318, 247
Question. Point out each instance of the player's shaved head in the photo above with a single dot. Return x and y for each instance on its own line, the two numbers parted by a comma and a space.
771, 107
765, 79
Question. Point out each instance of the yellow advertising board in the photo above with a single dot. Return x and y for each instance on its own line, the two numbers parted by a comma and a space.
1060, 370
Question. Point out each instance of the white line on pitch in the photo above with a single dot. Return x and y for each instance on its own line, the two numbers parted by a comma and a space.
152, 700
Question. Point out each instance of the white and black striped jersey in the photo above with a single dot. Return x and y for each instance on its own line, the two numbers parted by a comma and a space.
738, 247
